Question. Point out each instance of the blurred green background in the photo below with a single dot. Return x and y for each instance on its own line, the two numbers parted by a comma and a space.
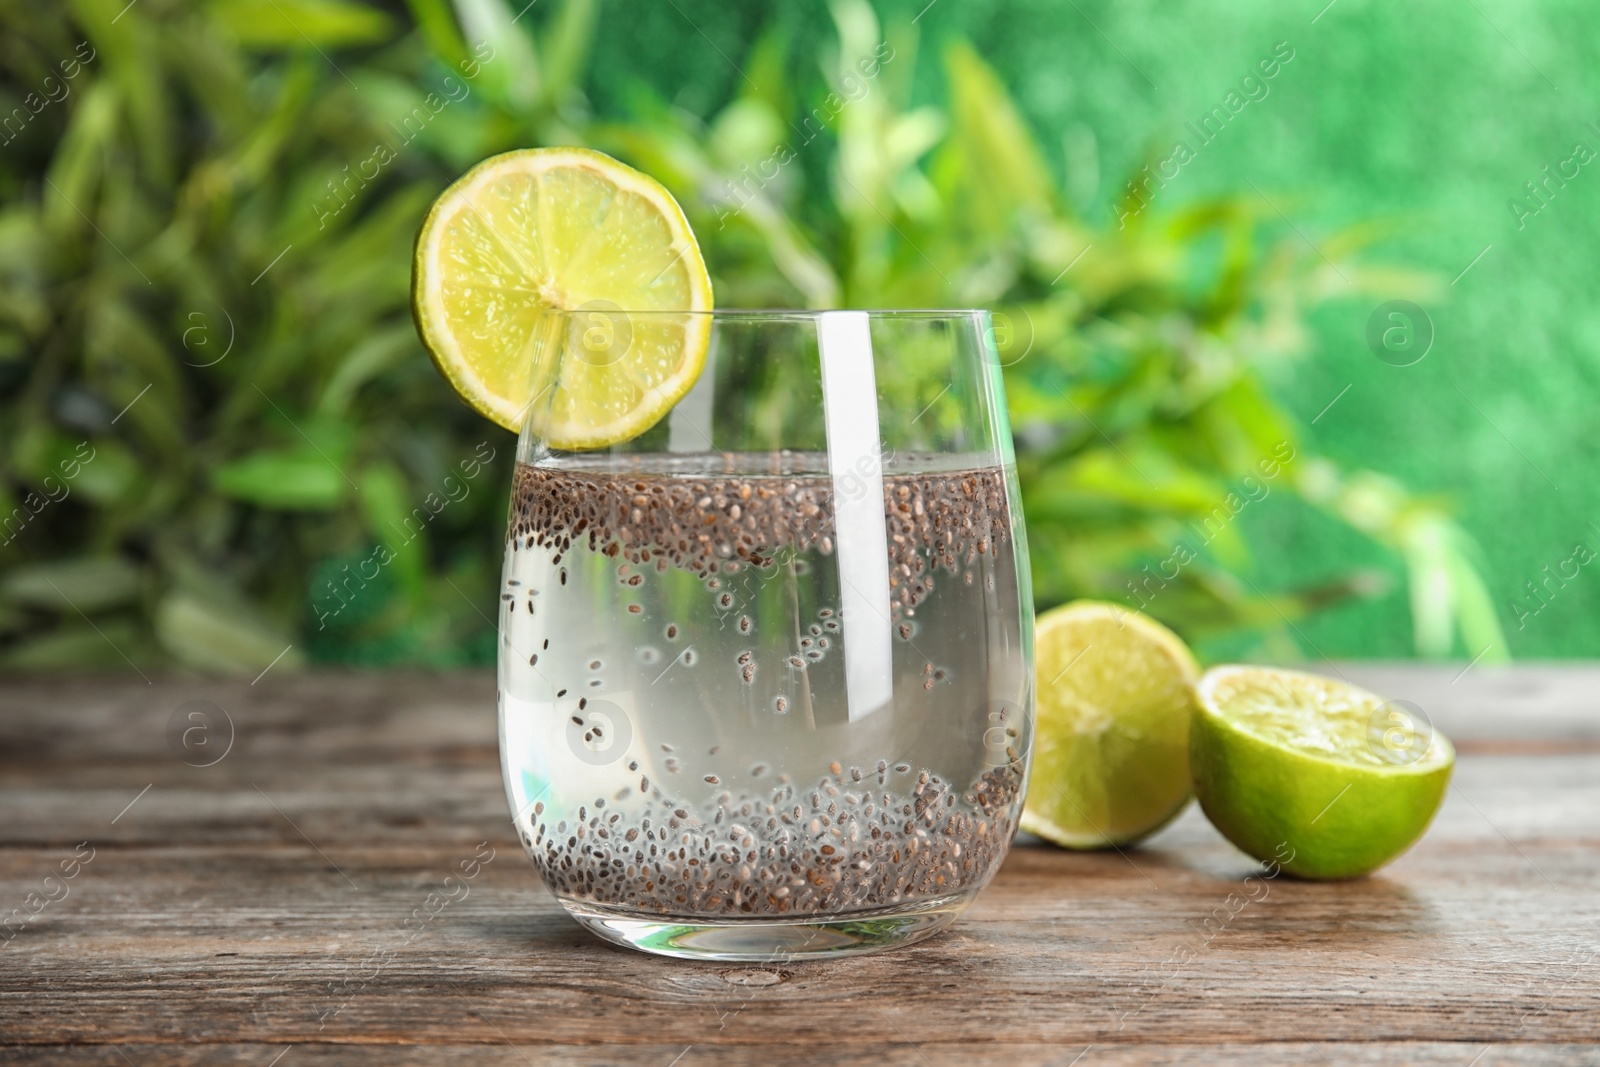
186, 296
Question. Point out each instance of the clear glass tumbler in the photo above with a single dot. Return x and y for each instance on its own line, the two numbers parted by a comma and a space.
766, 670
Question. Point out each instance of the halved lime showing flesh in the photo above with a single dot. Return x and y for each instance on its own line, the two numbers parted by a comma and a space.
1316, 775
572, 229
1111, 743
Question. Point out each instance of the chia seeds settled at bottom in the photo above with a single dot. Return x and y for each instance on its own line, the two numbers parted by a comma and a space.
842, 845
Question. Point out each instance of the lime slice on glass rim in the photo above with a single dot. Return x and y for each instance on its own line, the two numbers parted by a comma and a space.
1316, 775
565, 228
1111, 738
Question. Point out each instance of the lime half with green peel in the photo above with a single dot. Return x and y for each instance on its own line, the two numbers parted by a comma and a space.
1111, 740
562, 228
1316, 775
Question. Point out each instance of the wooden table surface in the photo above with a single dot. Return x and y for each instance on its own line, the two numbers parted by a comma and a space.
251, 911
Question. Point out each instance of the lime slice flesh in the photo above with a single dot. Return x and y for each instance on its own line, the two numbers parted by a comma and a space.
1322, 778
562, 228
1115, 699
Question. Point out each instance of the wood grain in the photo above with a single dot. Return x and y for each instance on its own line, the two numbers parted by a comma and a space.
238, 910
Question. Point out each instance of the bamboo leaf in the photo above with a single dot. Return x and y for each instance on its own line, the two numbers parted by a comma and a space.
213, 634
567, 43
301, 480
438, 25
296, 24
1432, 599
388, 513
79, 163
365, 362
122, 41
88, 585
1480, 623
77, 646
994, 144
110, 476
512, 77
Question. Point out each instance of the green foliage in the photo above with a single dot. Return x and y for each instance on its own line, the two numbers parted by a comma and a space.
224, 440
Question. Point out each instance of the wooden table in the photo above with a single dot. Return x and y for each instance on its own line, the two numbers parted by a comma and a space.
251, 911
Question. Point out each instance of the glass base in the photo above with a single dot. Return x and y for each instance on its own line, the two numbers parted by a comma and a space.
768, 940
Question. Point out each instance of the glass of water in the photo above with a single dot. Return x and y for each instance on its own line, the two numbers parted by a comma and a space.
766, 670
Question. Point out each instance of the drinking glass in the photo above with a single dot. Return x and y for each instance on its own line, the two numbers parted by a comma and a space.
766, 669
